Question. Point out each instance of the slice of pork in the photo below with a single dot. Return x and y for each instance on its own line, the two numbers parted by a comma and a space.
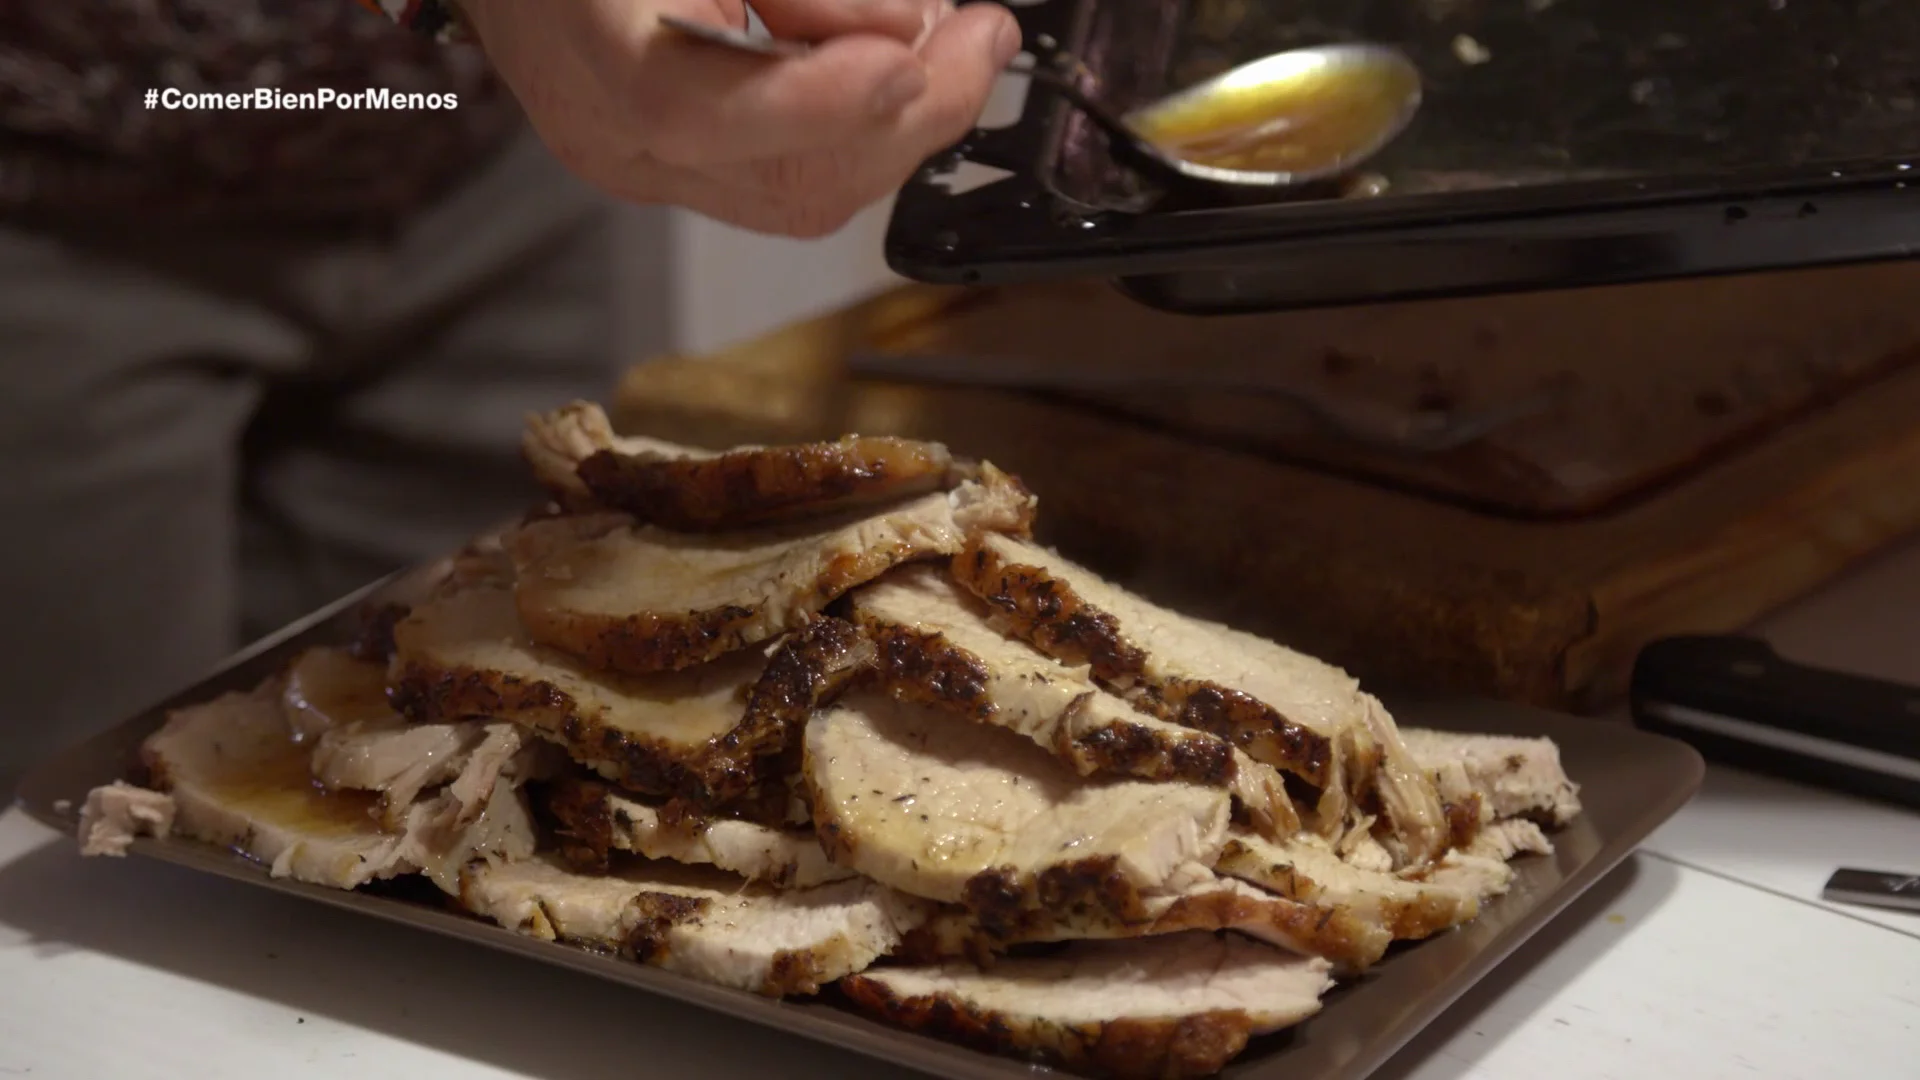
1307, 871
1516, 777
1201, 901
966, 813
116, 814
596, 821
715, 735
935, 647
577, 454
328, 688
1151, 1008
463, 654
698, 921
1282, 707
238, 780
641, 599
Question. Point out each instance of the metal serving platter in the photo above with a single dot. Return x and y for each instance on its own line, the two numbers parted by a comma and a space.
1630, 781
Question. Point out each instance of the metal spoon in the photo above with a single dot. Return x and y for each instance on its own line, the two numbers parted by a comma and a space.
1290, 118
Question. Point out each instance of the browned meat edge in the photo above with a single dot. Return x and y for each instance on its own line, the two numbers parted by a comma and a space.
650, 642
1122, 1049
1463, 821
373, 637
736, 774
926, 668
747, 488
807, 672
426, 694
1049, 613
582, 824
1337, 935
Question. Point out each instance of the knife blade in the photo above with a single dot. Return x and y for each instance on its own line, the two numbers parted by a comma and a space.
1873, 888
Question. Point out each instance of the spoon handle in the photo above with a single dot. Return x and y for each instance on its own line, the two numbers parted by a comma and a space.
1067, 88
1126, 145
1053, 77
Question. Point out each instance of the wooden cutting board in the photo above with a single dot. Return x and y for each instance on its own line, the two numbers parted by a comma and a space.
1403, 581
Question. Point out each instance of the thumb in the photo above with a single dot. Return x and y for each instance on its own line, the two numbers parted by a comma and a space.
820, 20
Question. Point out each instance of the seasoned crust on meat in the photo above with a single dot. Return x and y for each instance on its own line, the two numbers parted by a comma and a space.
583, 463
809, 669
935, 647
462, 654
1201, 901
749, 488
641, 599
1281, 707
698, 921
971, 814
1049, 610
594, 821
1153, 1008
712, 735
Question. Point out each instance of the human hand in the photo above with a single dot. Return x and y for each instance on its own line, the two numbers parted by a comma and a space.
793, 146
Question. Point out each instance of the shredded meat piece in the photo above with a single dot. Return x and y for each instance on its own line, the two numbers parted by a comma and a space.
119, 813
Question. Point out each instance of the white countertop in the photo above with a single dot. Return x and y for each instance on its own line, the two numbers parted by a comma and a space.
1707, 955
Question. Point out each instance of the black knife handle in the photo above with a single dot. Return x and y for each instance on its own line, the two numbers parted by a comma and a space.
1737, 700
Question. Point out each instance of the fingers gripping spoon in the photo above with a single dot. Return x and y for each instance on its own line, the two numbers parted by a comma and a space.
1291, 118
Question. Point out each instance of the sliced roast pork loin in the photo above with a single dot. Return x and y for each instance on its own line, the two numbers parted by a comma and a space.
1515, 777
1199, 900
1306, 870
702, 733
596, 821
698, 921
1282, 707
641, 599
238, 780
1152, 1008
935, 646
576, 453
971, 814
